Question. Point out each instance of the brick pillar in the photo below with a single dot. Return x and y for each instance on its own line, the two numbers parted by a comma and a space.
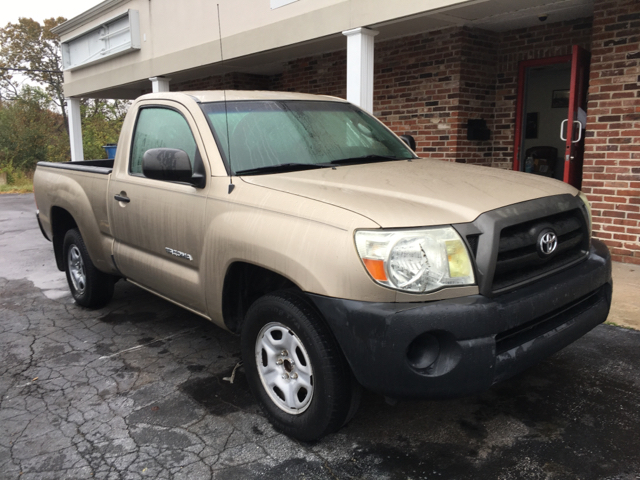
430, 85
612, 148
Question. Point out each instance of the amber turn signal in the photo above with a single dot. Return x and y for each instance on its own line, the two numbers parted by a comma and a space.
375, 269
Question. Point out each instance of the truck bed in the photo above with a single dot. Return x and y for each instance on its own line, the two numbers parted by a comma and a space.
102, 167
77, 190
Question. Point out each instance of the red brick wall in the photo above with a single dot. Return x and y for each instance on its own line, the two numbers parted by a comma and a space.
429, 85
324, 74
612, 152
476, 93
413, 78
231, 81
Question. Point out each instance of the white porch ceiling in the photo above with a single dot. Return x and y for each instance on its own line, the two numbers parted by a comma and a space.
493, 15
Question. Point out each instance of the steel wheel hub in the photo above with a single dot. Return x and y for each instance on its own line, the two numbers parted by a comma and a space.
76, 270
284, 368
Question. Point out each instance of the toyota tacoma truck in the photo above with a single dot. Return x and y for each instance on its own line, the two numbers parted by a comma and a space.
341, 258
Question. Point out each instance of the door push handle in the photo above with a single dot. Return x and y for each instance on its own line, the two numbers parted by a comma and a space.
563, 135
121, 197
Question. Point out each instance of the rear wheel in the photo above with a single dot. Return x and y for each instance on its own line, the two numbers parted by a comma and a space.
89, 286
295, 367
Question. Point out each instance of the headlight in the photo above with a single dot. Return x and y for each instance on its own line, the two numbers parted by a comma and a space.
415, 261
587, 205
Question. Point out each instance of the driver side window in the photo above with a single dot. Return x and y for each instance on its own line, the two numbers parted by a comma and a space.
159, 127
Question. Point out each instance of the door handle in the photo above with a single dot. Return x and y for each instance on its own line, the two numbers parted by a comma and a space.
564, 122
579, 131
563, 132
122, 198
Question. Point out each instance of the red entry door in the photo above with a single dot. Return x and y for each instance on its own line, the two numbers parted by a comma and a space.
573, 128
571, 132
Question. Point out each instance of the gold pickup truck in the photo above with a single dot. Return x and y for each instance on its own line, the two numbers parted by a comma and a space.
341, 258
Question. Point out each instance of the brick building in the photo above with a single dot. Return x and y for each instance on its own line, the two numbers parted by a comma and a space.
512, 70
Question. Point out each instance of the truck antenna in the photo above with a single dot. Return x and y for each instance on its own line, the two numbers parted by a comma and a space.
226, 113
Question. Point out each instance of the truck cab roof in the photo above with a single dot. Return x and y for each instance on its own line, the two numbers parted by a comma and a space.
204, 96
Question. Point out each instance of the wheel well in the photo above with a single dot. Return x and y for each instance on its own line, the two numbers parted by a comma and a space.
61, 223
243, 285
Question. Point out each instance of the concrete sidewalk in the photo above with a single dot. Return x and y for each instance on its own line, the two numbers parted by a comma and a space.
625, 310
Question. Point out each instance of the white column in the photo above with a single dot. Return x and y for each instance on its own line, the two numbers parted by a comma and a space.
360, 47
159, 84
75, 129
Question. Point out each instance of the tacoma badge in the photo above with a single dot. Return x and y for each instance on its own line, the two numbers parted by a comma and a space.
178, 253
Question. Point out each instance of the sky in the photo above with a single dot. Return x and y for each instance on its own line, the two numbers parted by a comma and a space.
40, 9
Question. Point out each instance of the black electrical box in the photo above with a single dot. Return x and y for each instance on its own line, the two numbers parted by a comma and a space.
477, 130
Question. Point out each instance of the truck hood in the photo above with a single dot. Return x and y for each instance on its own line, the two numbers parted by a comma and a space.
414, 193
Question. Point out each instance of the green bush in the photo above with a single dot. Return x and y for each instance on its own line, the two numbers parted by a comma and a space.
17, 181
31, 130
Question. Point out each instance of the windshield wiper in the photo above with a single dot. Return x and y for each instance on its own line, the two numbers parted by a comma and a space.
292, 167
362, 159
283, 167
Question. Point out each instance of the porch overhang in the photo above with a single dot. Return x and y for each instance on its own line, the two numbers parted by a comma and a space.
265, 49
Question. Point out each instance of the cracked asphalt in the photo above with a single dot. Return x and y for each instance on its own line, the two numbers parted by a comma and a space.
136, 390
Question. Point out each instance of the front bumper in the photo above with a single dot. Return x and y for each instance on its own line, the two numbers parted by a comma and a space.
463, 346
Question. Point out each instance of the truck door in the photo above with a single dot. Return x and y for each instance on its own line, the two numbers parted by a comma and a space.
158, 225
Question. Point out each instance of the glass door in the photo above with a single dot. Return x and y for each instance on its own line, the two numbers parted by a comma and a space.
551, 116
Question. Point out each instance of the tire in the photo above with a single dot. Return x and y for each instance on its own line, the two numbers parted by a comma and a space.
295, 368
89, 286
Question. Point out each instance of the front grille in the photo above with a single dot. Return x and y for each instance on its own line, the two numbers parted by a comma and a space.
472, 241
518, 260
504, 242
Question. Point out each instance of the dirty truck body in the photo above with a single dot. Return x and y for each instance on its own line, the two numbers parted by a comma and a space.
341, 258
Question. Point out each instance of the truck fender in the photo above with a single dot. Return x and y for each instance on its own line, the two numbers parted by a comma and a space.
73, 208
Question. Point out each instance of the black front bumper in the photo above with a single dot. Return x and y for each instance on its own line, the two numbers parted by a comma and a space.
463, 346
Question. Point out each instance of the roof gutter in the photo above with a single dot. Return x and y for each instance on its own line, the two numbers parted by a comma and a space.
87, 16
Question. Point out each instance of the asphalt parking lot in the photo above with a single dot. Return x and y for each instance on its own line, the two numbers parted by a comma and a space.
136, 390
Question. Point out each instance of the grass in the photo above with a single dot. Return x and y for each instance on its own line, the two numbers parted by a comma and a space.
18, 183
20, 188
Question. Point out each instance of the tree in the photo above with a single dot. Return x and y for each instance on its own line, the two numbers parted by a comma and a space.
30, 131
29, 49
31, 46
101, 124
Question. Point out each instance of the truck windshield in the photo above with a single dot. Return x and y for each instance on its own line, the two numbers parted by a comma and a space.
262, 137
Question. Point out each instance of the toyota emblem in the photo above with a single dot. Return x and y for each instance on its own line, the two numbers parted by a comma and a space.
547, 242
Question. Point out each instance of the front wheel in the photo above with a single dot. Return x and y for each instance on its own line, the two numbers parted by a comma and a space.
295, 368
89, 286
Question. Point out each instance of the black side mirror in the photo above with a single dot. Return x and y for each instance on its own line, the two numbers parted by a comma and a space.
169, 164
410, 141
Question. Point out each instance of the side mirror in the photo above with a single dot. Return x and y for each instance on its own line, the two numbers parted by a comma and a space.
410, 141
169, 164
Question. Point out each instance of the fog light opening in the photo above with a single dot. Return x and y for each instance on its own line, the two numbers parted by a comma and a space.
423, 351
